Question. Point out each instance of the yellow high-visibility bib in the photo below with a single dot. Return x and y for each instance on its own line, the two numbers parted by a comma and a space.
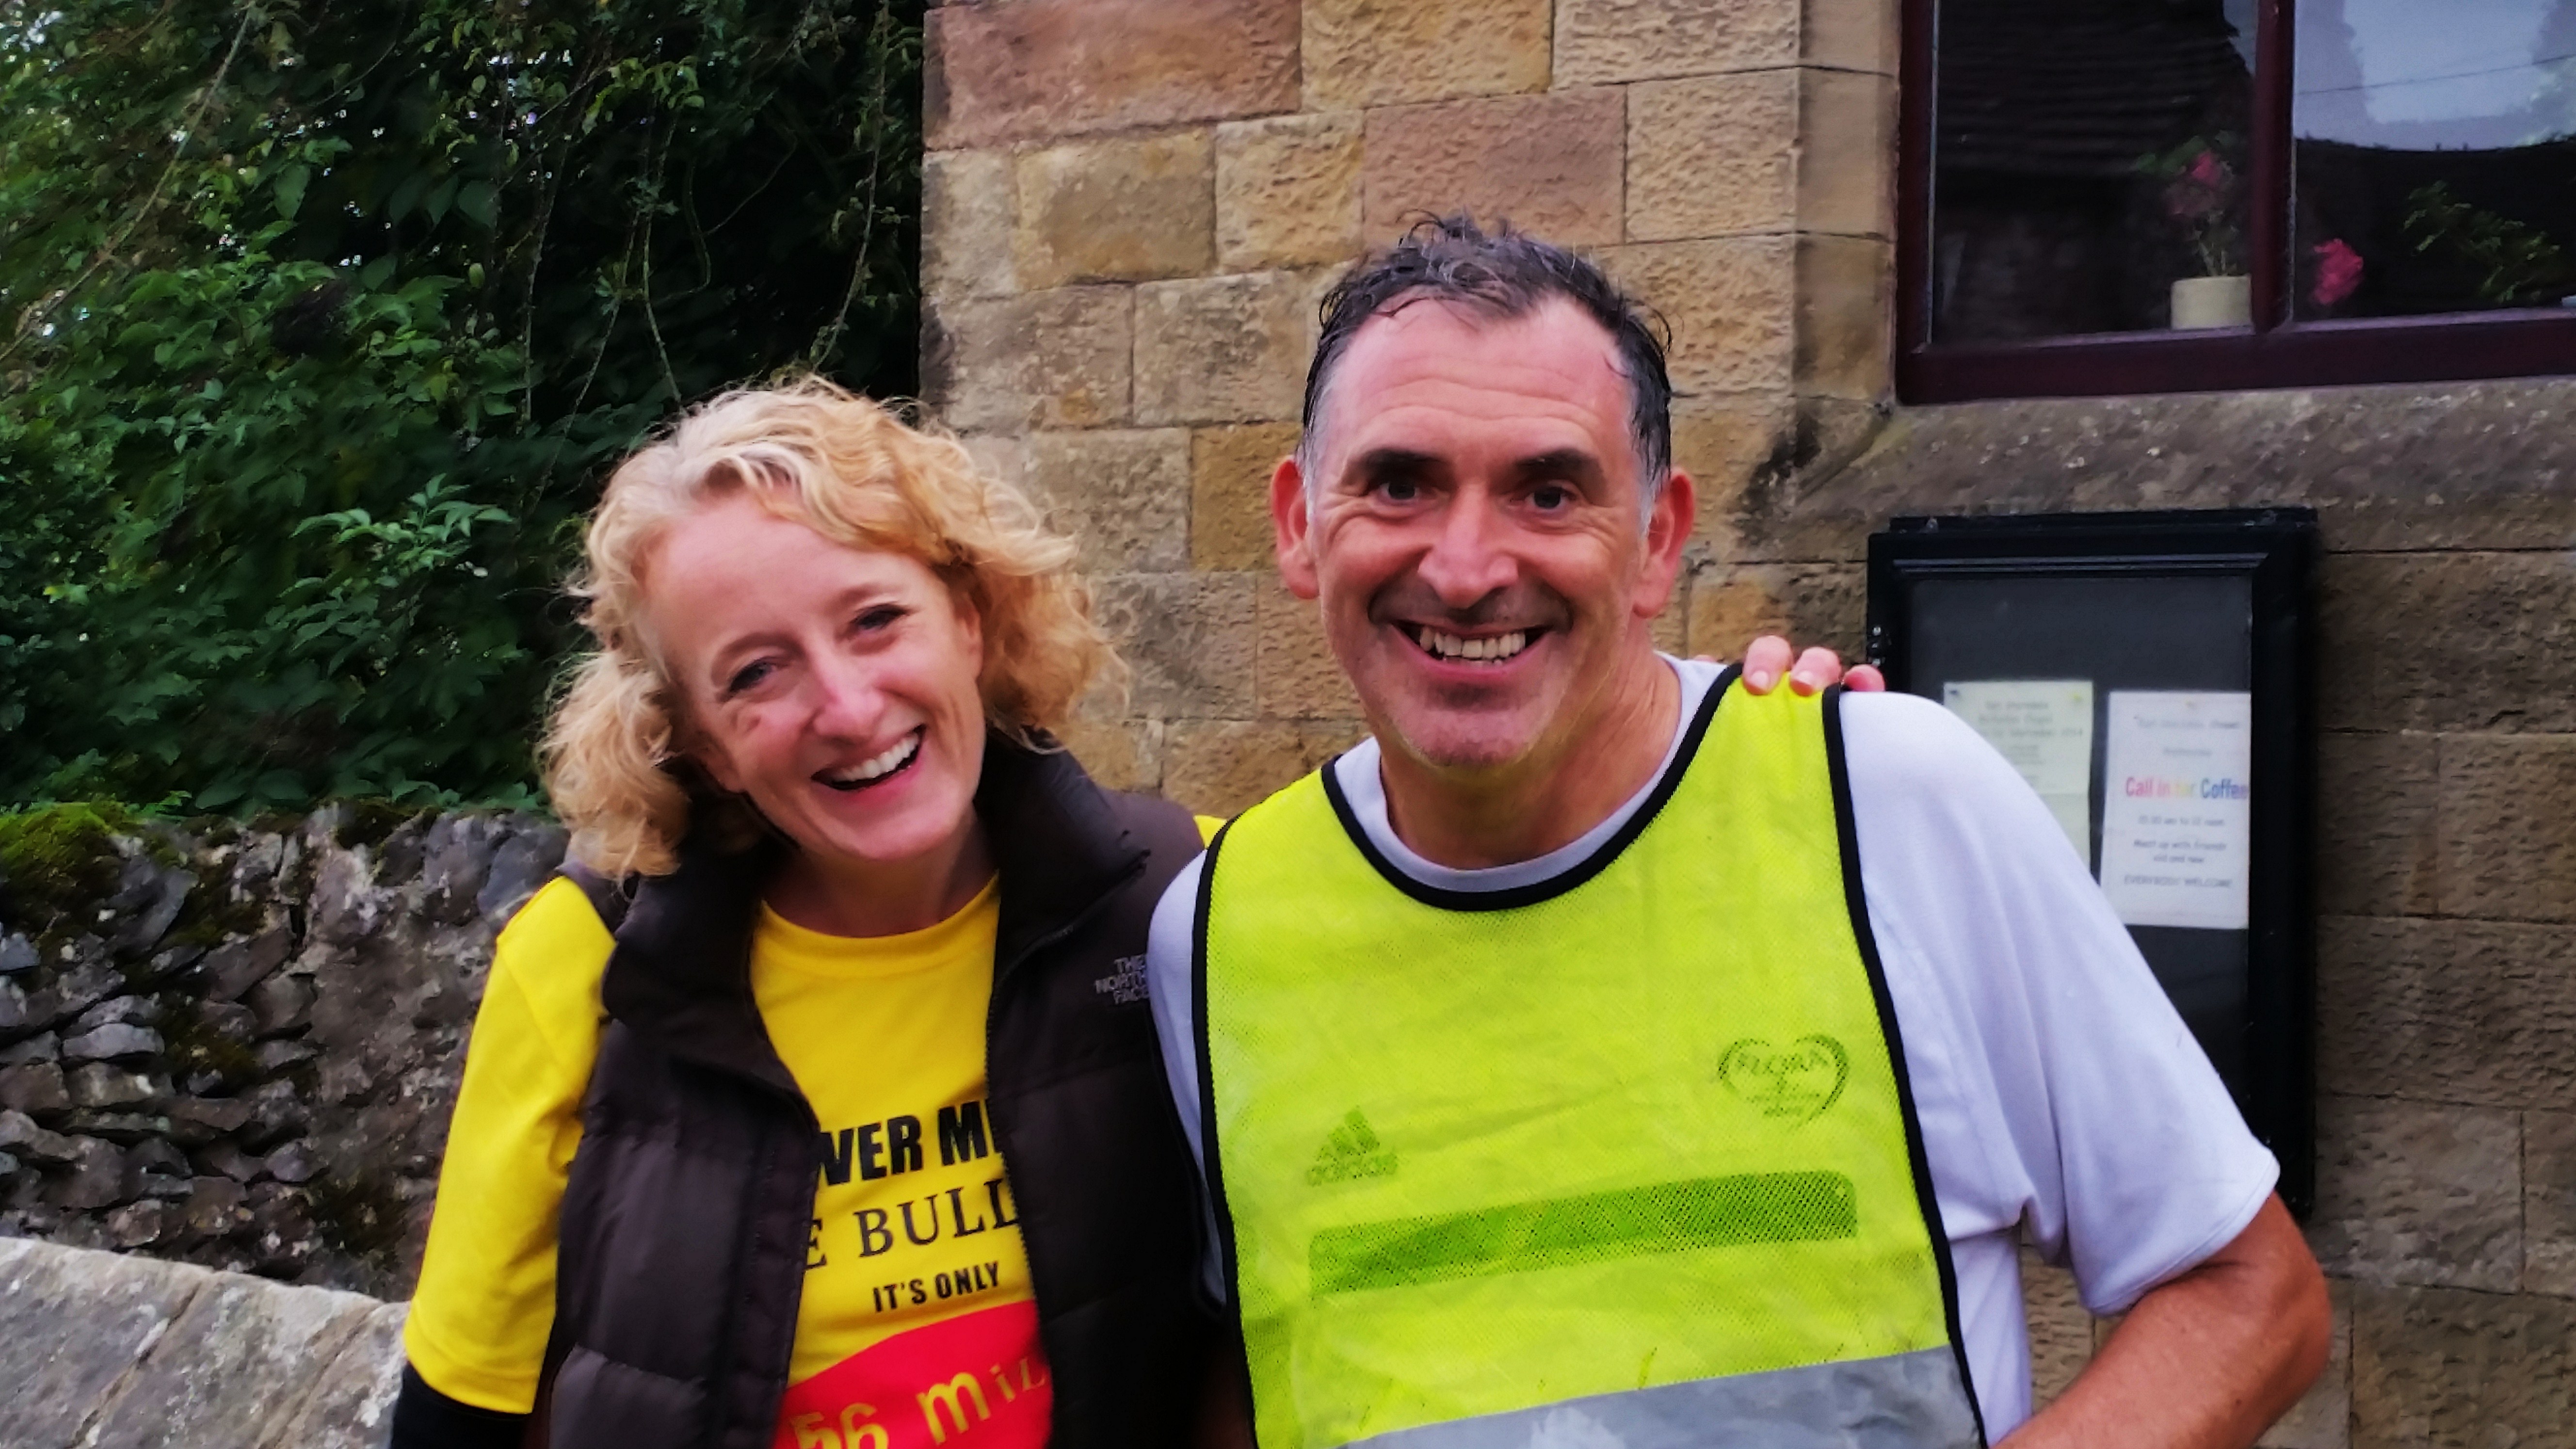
1626, 1159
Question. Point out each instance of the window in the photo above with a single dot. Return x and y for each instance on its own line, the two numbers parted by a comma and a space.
2161, 195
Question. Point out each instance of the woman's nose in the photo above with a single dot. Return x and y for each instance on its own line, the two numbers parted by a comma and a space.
847, 700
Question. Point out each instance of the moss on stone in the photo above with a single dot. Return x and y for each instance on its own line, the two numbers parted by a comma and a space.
194, 1047
368, 822
361, 1215
57, 859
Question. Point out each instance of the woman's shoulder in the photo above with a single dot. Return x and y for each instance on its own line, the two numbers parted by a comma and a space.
552, 955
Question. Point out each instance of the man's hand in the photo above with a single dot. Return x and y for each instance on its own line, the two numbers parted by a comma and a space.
1767, 658
2206, 1361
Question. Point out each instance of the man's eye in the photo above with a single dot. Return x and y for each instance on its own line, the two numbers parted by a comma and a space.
1399, 490
1551, 496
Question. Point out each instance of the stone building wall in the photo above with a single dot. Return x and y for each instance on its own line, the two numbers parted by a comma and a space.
1134, 204
239, 1047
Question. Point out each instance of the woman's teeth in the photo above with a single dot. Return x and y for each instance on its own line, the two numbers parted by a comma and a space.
1451, 646
878, 768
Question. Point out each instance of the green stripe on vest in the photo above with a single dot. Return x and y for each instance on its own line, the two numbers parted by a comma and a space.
1645, 1132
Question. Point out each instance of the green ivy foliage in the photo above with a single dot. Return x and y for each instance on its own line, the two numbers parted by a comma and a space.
321, 321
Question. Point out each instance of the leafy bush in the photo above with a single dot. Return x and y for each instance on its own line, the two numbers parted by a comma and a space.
320, 321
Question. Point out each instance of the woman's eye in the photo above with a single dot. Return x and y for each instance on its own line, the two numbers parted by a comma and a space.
884, 616
749, 675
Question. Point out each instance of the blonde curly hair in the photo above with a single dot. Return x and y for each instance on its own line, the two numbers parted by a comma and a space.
856, 473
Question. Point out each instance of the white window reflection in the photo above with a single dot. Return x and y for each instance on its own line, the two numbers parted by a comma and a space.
2423, 75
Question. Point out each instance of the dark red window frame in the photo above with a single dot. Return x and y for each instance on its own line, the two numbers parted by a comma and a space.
2277, 351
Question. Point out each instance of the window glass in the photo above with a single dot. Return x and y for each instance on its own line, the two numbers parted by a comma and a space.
2090, 166
2436, 156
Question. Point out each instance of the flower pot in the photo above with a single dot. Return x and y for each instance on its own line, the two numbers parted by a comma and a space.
2213, 302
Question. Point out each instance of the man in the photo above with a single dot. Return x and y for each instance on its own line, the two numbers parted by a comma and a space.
1580, 1062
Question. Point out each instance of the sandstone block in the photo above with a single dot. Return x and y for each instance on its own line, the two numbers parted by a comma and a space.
1123, 496
2451, 641
1230, 470
1189, 639
2477, 1012
2377, 800
1387, 53
1713, 156
2410, 1192
1049, 359
1288, 192
1040, 69
1856, 35
2507, 817
1847, 153
1117, 210
1223, 349
1219, 767
1730, 606
1122, 754
1845, 300
999, 456
352, 1397
2061, 1329
2549, 1203
2322, 1418
1610, 42
1732, 306
2460, 1370
1552, 165
967, 221
1296, 676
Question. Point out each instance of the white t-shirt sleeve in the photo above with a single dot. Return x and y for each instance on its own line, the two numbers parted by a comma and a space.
1172, 986
2060, 1093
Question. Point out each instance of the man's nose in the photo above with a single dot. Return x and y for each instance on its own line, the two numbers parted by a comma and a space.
1466, 561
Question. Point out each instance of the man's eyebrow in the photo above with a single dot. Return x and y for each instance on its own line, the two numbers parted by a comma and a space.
1394, 463
1572, 464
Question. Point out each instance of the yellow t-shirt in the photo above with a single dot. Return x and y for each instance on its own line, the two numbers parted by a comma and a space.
915, 1272
918, 1321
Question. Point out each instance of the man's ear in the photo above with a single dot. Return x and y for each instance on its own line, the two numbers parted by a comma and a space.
1668, 532
1293, 524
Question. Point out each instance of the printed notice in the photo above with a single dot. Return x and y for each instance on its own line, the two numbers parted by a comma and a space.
2044, 727
2176, 808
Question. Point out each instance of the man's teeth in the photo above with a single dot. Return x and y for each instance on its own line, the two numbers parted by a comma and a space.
1451, 646
883, 765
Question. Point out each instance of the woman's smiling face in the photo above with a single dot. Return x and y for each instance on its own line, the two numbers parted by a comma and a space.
836, 687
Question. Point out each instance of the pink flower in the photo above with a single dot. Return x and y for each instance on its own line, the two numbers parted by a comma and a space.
2209, 171
2338, 272
2201, 190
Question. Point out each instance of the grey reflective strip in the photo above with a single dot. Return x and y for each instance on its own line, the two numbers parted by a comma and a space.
1904, 1401
1668, 1217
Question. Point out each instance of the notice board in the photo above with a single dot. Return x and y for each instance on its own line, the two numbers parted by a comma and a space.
2148, 674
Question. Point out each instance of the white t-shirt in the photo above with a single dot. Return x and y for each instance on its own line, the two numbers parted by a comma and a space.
2063, 1102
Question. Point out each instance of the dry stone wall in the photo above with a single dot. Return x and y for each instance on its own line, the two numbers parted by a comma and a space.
242, 1050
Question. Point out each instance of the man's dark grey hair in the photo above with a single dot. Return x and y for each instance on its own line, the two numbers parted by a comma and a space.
1505, 275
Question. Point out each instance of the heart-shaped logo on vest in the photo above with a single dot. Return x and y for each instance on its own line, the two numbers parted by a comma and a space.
1796, 1082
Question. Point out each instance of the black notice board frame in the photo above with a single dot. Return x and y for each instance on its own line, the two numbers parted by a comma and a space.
2275, 550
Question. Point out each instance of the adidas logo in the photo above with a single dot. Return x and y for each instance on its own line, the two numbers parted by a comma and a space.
1351, 1153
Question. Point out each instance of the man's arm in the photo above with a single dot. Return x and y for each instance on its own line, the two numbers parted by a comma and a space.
2246, 1331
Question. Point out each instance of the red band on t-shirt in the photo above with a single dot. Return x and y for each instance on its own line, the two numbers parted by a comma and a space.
978, 1381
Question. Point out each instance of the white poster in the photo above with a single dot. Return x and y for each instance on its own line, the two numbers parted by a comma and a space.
2044, 727
2176, 808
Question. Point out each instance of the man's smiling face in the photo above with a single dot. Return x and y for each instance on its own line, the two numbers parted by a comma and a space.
1475, 532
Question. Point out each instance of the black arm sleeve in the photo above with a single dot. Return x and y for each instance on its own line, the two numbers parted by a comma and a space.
424, 1418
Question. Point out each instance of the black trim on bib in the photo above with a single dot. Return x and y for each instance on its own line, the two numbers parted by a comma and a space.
1846, 827
1211, 1161
1440, 898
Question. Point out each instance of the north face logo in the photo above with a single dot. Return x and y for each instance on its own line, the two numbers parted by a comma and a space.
1351, 1152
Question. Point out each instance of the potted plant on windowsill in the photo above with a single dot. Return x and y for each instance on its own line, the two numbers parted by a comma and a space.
2203, 195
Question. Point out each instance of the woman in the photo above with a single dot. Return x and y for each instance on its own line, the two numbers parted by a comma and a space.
736, 1173
873, 953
